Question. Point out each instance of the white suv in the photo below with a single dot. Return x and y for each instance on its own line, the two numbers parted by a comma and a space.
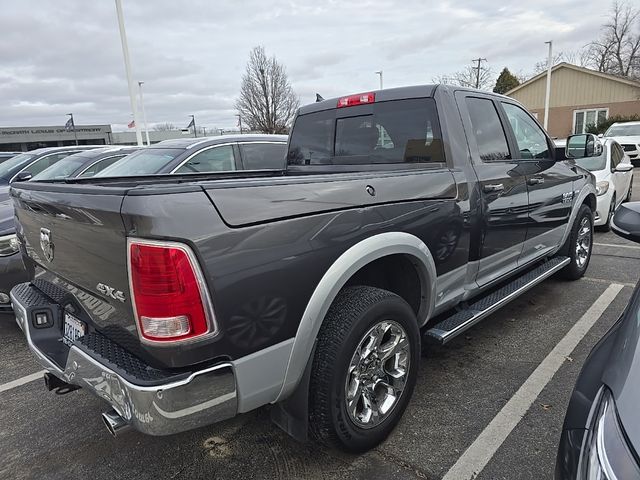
627, 134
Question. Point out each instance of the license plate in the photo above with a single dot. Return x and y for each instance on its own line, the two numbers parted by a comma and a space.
73, 329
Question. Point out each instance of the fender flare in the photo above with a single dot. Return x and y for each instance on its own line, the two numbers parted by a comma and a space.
347, 264
587, 188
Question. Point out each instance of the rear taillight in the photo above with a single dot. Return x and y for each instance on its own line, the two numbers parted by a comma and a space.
359, 99
168, 292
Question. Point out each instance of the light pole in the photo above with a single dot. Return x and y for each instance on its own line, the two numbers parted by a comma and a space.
239, 122
144, 114
547, 94
127, 67
379, 72
73, 127
193, 124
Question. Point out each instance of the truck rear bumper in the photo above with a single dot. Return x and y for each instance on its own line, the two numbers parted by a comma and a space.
200, 398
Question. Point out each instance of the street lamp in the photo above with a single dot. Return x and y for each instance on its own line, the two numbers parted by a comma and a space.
192, 123
548, 90
73, 126
379, 72
144, 114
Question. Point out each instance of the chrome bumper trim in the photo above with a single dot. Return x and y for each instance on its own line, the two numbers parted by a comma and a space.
205, 397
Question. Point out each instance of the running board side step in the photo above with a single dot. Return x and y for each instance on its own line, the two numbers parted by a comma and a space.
462, 320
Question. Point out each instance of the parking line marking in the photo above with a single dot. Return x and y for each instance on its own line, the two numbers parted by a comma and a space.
607, 282
21, 381
615, 245
484, 447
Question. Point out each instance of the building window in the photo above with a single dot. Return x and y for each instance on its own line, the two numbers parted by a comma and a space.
583, 118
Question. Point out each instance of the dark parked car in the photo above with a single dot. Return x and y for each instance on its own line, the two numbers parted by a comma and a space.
204, 155
403, 216
601, 434
7, 155
84, 164
25, 165
12, 269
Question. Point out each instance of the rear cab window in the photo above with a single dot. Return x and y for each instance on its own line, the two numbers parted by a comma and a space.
384, 133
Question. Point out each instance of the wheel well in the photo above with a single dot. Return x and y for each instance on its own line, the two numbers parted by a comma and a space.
590, 200
396, 273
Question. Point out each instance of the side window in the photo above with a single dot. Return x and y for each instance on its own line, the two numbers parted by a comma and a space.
616, 155
100, 165
261, 156
216, 159
45, 162
487, 130
532, 142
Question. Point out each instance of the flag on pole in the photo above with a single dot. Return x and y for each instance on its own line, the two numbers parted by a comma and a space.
69, 125
192, 123
132, 124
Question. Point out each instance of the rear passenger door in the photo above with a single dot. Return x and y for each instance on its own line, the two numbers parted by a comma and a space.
549, 183
502, 185
621, 180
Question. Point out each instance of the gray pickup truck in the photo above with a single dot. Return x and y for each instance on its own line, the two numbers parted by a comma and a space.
404, 217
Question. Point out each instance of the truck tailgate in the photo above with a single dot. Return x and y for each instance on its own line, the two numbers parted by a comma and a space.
78, 241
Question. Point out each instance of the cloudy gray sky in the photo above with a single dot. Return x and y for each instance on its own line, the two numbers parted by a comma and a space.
65, 55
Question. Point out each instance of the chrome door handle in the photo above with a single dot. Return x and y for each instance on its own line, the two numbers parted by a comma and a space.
491, 188
535, 181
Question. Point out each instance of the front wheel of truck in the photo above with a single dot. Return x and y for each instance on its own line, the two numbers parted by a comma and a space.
579, 245
364, 368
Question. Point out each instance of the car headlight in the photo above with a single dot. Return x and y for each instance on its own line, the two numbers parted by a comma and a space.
9, 245
602, 187
607, 455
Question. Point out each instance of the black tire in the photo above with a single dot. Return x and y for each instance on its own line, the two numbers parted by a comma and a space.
612, 209
576, 269
351, 316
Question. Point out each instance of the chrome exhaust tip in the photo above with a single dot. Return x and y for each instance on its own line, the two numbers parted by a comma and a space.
114, 422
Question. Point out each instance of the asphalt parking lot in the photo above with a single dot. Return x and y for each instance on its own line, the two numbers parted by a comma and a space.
460, 397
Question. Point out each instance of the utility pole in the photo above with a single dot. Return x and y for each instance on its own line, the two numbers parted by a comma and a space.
144, 114
477, 69
127, 67
547, 94
239, 123
379, 72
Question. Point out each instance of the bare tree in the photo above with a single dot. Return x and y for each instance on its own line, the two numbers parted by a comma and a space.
468, 77
163, 127
617, 49
575, 57
267, 102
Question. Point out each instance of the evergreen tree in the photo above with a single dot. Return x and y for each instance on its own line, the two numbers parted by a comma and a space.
506, 81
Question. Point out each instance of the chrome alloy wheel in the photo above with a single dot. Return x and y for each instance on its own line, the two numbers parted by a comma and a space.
377, 373
583, 242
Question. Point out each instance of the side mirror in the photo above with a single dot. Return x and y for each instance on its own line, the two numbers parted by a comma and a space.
583, 145
624, 167
626, 221
23, 176
601, 135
